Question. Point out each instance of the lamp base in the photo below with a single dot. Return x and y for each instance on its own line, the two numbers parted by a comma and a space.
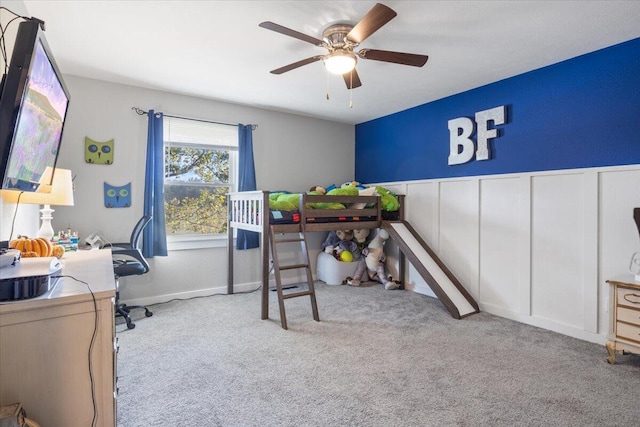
46, 230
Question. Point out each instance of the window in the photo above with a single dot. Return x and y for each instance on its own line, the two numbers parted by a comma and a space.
201, 163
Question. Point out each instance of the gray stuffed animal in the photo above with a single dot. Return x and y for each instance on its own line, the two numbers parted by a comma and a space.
340, 241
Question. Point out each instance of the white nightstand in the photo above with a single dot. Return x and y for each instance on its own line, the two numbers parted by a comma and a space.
624, 325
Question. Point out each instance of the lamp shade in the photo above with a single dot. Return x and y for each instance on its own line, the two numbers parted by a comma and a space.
59, 193
340, 62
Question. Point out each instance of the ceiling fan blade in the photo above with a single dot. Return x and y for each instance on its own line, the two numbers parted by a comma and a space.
352, 79
296, 64
289, 32
372, 22
395, 57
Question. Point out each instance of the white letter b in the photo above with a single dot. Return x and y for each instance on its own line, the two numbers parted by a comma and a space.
460, 139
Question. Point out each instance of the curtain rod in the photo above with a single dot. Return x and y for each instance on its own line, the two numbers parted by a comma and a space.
141, 112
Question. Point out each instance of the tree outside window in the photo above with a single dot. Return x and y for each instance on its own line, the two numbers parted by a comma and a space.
200, 169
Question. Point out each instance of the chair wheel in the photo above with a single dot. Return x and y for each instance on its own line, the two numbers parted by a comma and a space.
148, 313
131, 325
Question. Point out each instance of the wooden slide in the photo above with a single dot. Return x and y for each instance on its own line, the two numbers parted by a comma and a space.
442, 282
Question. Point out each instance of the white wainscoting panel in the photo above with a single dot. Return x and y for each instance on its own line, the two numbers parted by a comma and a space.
524, 244
557, 247
534, 247
459, 226
590, 252
422, 208
619, 238
422, 212
499, 243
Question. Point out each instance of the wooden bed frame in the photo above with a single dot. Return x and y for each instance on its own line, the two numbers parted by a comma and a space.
249, 210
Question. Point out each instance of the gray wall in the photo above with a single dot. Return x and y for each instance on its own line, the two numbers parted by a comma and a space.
291, 152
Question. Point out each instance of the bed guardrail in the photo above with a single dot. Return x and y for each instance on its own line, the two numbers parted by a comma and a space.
247, 210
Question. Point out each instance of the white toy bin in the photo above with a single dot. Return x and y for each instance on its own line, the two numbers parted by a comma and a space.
333, 272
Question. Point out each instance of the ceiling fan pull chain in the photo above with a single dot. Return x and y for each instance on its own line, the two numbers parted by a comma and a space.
351, 91
326, 83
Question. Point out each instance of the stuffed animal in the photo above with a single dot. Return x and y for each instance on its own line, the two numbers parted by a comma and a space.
346, 246
389, 202
371, 267
352, 184
355, 184
351, 191
340, 241
284, 201
317, 189
334, 237
361, 237
344, 191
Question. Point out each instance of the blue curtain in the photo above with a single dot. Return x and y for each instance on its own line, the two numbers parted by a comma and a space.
154, 235
247, 181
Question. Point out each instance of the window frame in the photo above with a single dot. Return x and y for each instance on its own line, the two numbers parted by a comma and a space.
195, 240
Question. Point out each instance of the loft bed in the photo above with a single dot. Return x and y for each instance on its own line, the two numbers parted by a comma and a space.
249, 210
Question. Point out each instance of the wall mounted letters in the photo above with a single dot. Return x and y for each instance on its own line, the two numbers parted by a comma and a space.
462, 139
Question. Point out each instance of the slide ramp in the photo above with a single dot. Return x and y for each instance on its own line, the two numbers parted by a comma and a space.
442, 282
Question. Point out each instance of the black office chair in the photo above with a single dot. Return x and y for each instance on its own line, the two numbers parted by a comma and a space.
128, 261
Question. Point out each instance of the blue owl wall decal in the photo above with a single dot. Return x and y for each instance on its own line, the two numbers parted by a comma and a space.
117, 197
99, 153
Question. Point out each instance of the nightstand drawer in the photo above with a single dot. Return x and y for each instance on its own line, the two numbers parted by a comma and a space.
627, 331
629, 316
628, 297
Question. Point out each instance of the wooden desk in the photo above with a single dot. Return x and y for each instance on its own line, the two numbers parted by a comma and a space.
44, 347
624, 324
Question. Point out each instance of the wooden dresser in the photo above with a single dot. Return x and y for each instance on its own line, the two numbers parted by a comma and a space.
45, 345
624, 325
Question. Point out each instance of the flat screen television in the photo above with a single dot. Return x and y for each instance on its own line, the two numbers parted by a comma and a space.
33, 106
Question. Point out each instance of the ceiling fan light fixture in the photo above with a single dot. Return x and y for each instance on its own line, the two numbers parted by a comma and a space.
340, 62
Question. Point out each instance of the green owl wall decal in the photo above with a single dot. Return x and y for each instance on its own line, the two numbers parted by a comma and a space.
117, 197
99, 153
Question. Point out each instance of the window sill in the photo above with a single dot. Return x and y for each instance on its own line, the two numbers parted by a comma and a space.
189, 242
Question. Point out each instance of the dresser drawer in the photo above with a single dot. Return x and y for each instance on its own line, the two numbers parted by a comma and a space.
628, 297
629, 316
627, 331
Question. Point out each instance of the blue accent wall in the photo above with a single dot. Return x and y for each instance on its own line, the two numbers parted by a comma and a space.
583, 112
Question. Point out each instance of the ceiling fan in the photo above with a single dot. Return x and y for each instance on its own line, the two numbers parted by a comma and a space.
341, 40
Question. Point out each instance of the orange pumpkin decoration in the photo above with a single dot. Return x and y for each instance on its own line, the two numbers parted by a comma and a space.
57, 251
29, 254
40, 245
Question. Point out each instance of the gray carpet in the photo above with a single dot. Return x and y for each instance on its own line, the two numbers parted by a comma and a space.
377, 358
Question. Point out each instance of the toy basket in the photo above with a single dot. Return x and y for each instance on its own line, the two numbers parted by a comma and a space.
333, 272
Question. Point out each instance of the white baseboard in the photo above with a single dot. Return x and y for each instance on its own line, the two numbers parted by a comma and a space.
218, 290
539, 322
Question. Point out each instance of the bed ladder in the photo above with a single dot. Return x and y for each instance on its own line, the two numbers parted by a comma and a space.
302, 239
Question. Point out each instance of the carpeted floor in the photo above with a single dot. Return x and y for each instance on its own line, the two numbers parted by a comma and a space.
377, 358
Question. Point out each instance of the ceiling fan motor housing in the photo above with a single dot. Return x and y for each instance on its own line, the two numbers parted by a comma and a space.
335, 37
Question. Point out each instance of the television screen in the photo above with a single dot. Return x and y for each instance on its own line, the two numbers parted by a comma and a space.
33, 108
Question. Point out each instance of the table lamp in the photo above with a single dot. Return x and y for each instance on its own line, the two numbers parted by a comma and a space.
58, 193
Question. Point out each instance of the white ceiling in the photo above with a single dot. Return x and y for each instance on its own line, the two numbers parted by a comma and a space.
215, 49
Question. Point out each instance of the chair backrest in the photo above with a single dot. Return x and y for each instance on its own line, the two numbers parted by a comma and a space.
122, 266
136, 234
